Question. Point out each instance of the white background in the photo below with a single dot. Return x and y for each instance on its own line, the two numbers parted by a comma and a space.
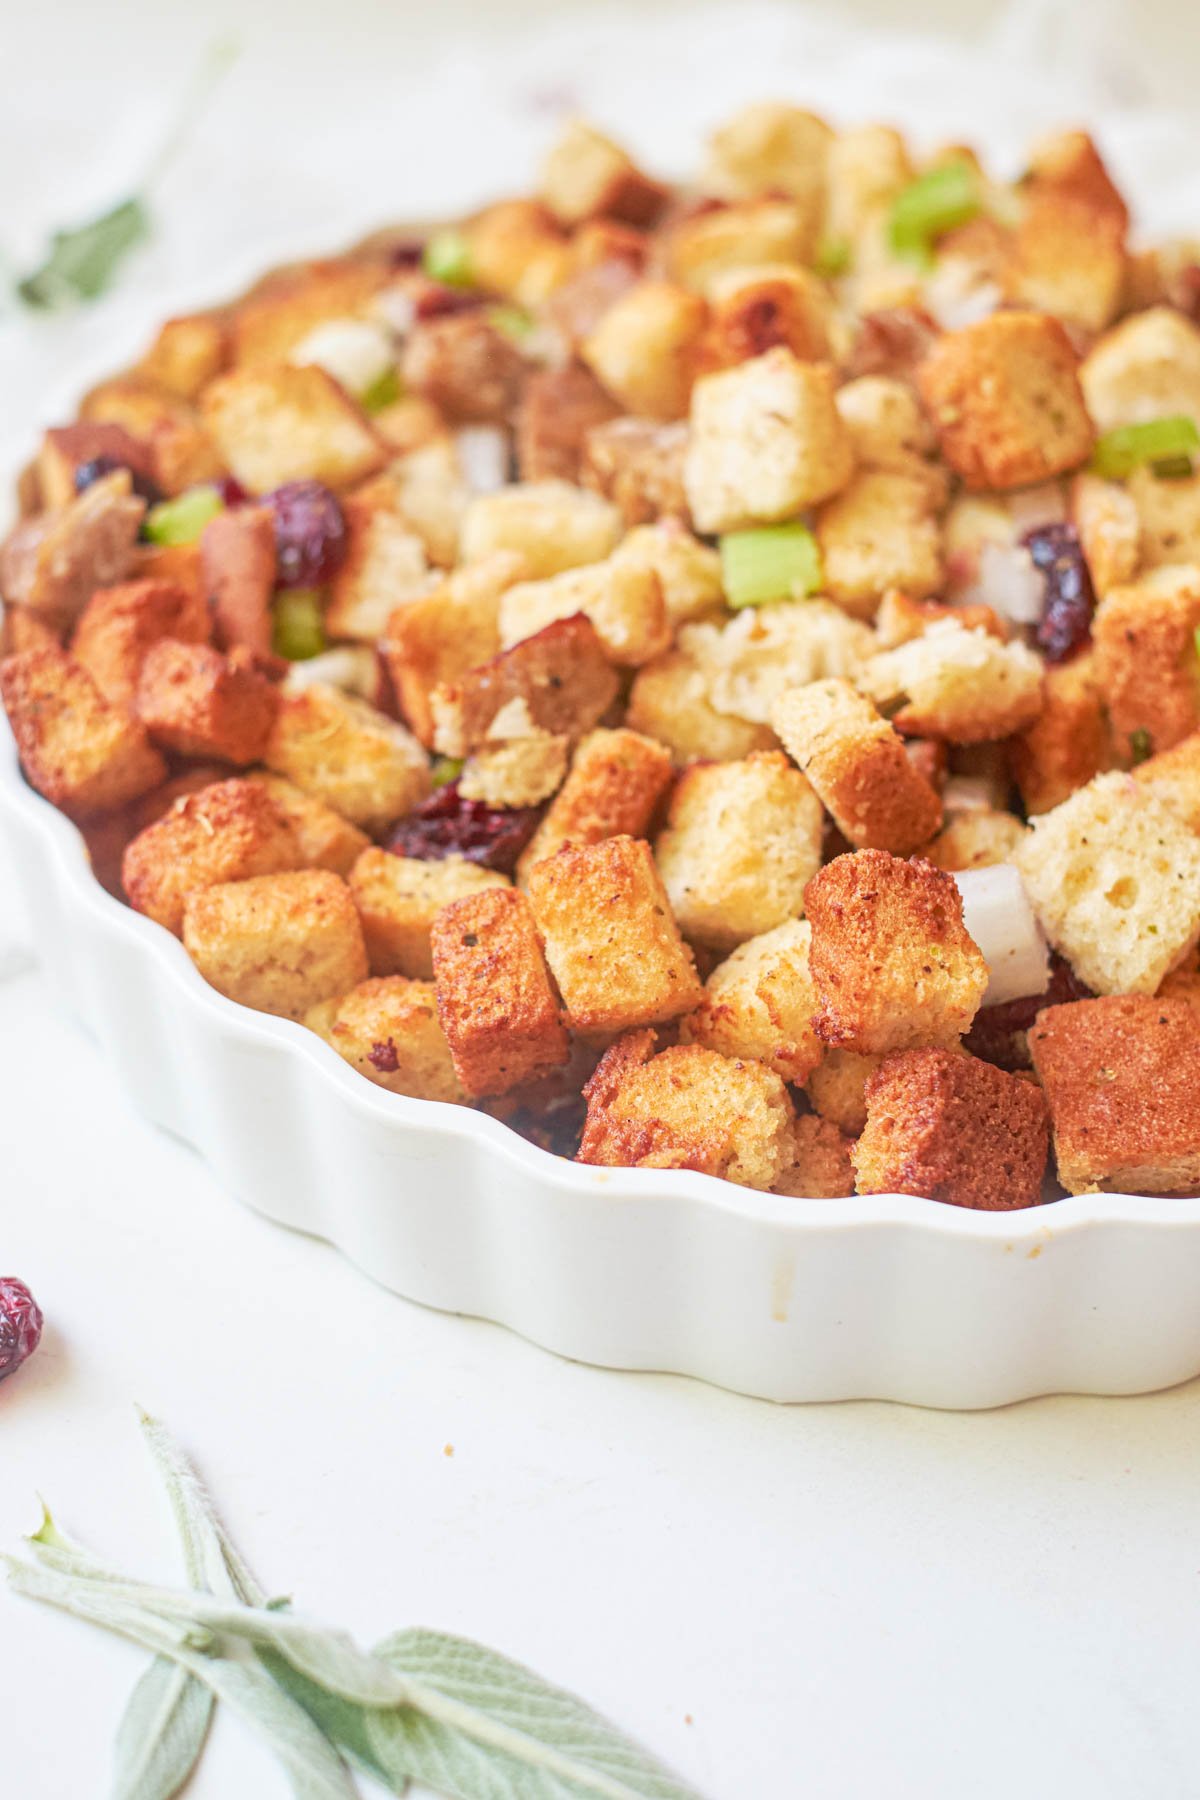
819, 1602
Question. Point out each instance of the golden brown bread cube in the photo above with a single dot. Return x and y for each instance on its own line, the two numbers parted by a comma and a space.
879, 533
768, 304
389, 1031
976, 838
1068, 162
225, 832
1147, 662
670, 700
494, 995
522, 770
1122, 1078
770, 147
586, 176
1173, 776
954, 1129
558, 408
1105, 515
703, 245
180, 450
616, 781
54, 563
66, 447
550, 524
196, 702
22, 629
284, 308
687, 1108
1168, 515
433, 494
644, 349
611, 941
638, 465
278, 423
238, 561
760, 1003
119, 626
433, 641
1068, 258
83, 753
464, 365
518, 250
821, 1168
348, 754
1070, 740
743, 840
890, 430
1005, 398
385, 566
857, 767
893, 964
688, 571
326, 840
279, 943
837, 1088
961, 685
187, 353
558, 680
398, 898
623, 599
1147, 367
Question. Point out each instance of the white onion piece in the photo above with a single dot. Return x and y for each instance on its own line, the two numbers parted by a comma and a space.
352, 667
356, 352
997, 914
397, 308
969, 793
956, 296
1009, 582
483, 457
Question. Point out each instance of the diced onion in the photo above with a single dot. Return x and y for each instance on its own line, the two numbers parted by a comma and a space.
352, 667
956, 296
997, 914
356, 352
396, 307
969, 793
483, 456
1009, 582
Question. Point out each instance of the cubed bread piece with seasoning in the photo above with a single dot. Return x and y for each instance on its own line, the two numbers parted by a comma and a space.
385, 565
890, 431
180, 450
768, 304
900, 618
837, 1088
954, 1129
84, 754
433, 496
638, 465
894, 966
517, 249
766, 442
388, 1029
613, 789
558, 408
278, 943
399, 897
1121, 1075
238, 561
742, 842
495, 998
879, 533
644, 351
1147, 660
187, 354
611, 940
1114, 877
559, 681
348, 754
821, 1168
704, 245
195, 702
687, 1108
1005, 399
54, 563
587, 176
1069, 742
283, 309
1105, 515
670, 701
274, 423
623, 600
327, 841
857, 766
689, 572
22, 629
749, 661
867, 167
1173, 777
760, 1003
522, 770
67, 448
977, 838
1168, 512
225, 832
770, 147
1067, 258
119, 626
550, 524
1147, 367
957, 684
434, 640
465, 366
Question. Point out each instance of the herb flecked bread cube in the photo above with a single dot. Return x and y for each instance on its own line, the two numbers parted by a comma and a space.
1147, 660
958, 684
495, 999
613, 789
78, 749
224, 832
821, 1168
388, 1030
119, 625
278, 943
327, 841
1173, 776
760, 1003
278, 423
348, 754
1069, 742
398, 898
195, 702
880, 532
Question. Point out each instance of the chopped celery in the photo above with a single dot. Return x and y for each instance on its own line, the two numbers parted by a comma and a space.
930, 206
1169, 440
512, 321
447, 258
298, 624
834, 256
180, 521
1173, 468
445, 770
773, 562
383, 391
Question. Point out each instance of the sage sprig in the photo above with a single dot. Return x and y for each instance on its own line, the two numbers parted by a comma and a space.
422, 1706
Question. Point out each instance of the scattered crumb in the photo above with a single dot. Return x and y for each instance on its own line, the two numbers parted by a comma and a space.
447, 1449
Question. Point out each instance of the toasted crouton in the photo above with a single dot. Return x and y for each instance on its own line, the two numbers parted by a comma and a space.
196, 702
279, 943
1005, 398
21, 629
326, 840
1147, 367
867, 167
769, 147
1068, 742
434, 640
388, 1030
900, 619
558, 408
687, 1108
347, 753
889, 431
1147, 663
559, 680
84, 754
644, 349
821, 1168
522, 770
281, 312
956, 684
891, 958
551, 524
857, 766
638, 465
181, 452
398, 899
1122, 1078
518, 249
616, 781
1173, 776
837, 1088
54, 563
432, 493
119, 625
976, 839
622, 598
766, 441
67, 448
587, 176
465, 365
689, 572
495, 1000
227, 831
743, 839
952, 1128
1106, 517
279, 423
384, 567
670, 701
238, 558
1068, 258
760, 1002
768, 304
1114, 877
187, 354
765, 650
1168, 514
1068, 162
703, 246
879, 533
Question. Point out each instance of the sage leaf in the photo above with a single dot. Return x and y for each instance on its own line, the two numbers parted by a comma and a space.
161, 1734
83, 261
479, 1727
211, 1557
343, 1723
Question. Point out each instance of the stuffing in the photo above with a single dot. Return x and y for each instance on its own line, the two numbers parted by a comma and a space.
742, 842
1069, 742
433, 641
768, 305
187, 354
388, 1030
83, 753
757, 656
551, 524
1173, 777
558, 408
638, 465
279, 423
348, 754
398, 898
278, 943
1147, 661
326, 840
587, 176
558, 680
759, 1003
956, 684
21, 629
837, 1088
385, 566
643, 351
522, 770
669, 701
1105, 515
181, 452
892, 962
53, 563
495, 1000
977, 839
821, 1168
700, 248
1068, 162
1147, 367
688, 571
622, 598
226, 832
1068, 258
1168, 515
900, 619
465, 365
238, 563
119, 625
879, 533
613, 789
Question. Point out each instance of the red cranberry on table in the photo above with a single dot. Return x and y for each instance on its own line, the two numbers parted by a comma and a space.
20, 1324
310, 533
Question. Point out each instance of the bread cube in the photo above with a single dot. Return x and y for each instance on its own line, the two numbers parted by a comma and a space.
187, 354
522, 770
389, 1031
278, 943
821, 1168
276, 423
742, 842
22, 629
1005, 398
1068, 743
432, 493
763, 651
434, 640
758, 308
954, 1129
1173, 777
238, 559
587, 176
558, 408
623, 600
1168, 514
837, 1088
766, 441
550, 524
465, 366
398, 898
703, 246
196, 702
893, 964
900, 619
638, 465
670, 701
1105, 515
879, 533
495, 1000
616, 781
1068, 258
1114, 877
348, 754
54, 563
385, 566
326, 840
283, 309
644, 349
687, 1108
760, 1002
770, 148
889, 430
65, 448
956, 684
866, 169
1147, 367
84, 754
857, 766
181, 452
226, 832
978, 838
1068, 162
689, 572
1147, 663
559, 680
1122, 1078
119, 625
518, 250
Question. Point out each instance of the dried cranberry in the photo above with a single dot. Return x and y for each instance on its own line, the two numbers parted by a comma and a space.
1070, 599
96, 467
997, 1034
447, 824
20, 1324
232, 492
383, 1057
310, 534
406, 253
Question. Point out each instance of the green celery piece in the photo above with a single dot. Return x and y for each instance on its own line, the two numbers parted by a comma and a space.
512, 321
83, 261
772, 562
384, 391
445, 770
933, 204
298, 624
447, 258
181, 521
1120, 451
834, 256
